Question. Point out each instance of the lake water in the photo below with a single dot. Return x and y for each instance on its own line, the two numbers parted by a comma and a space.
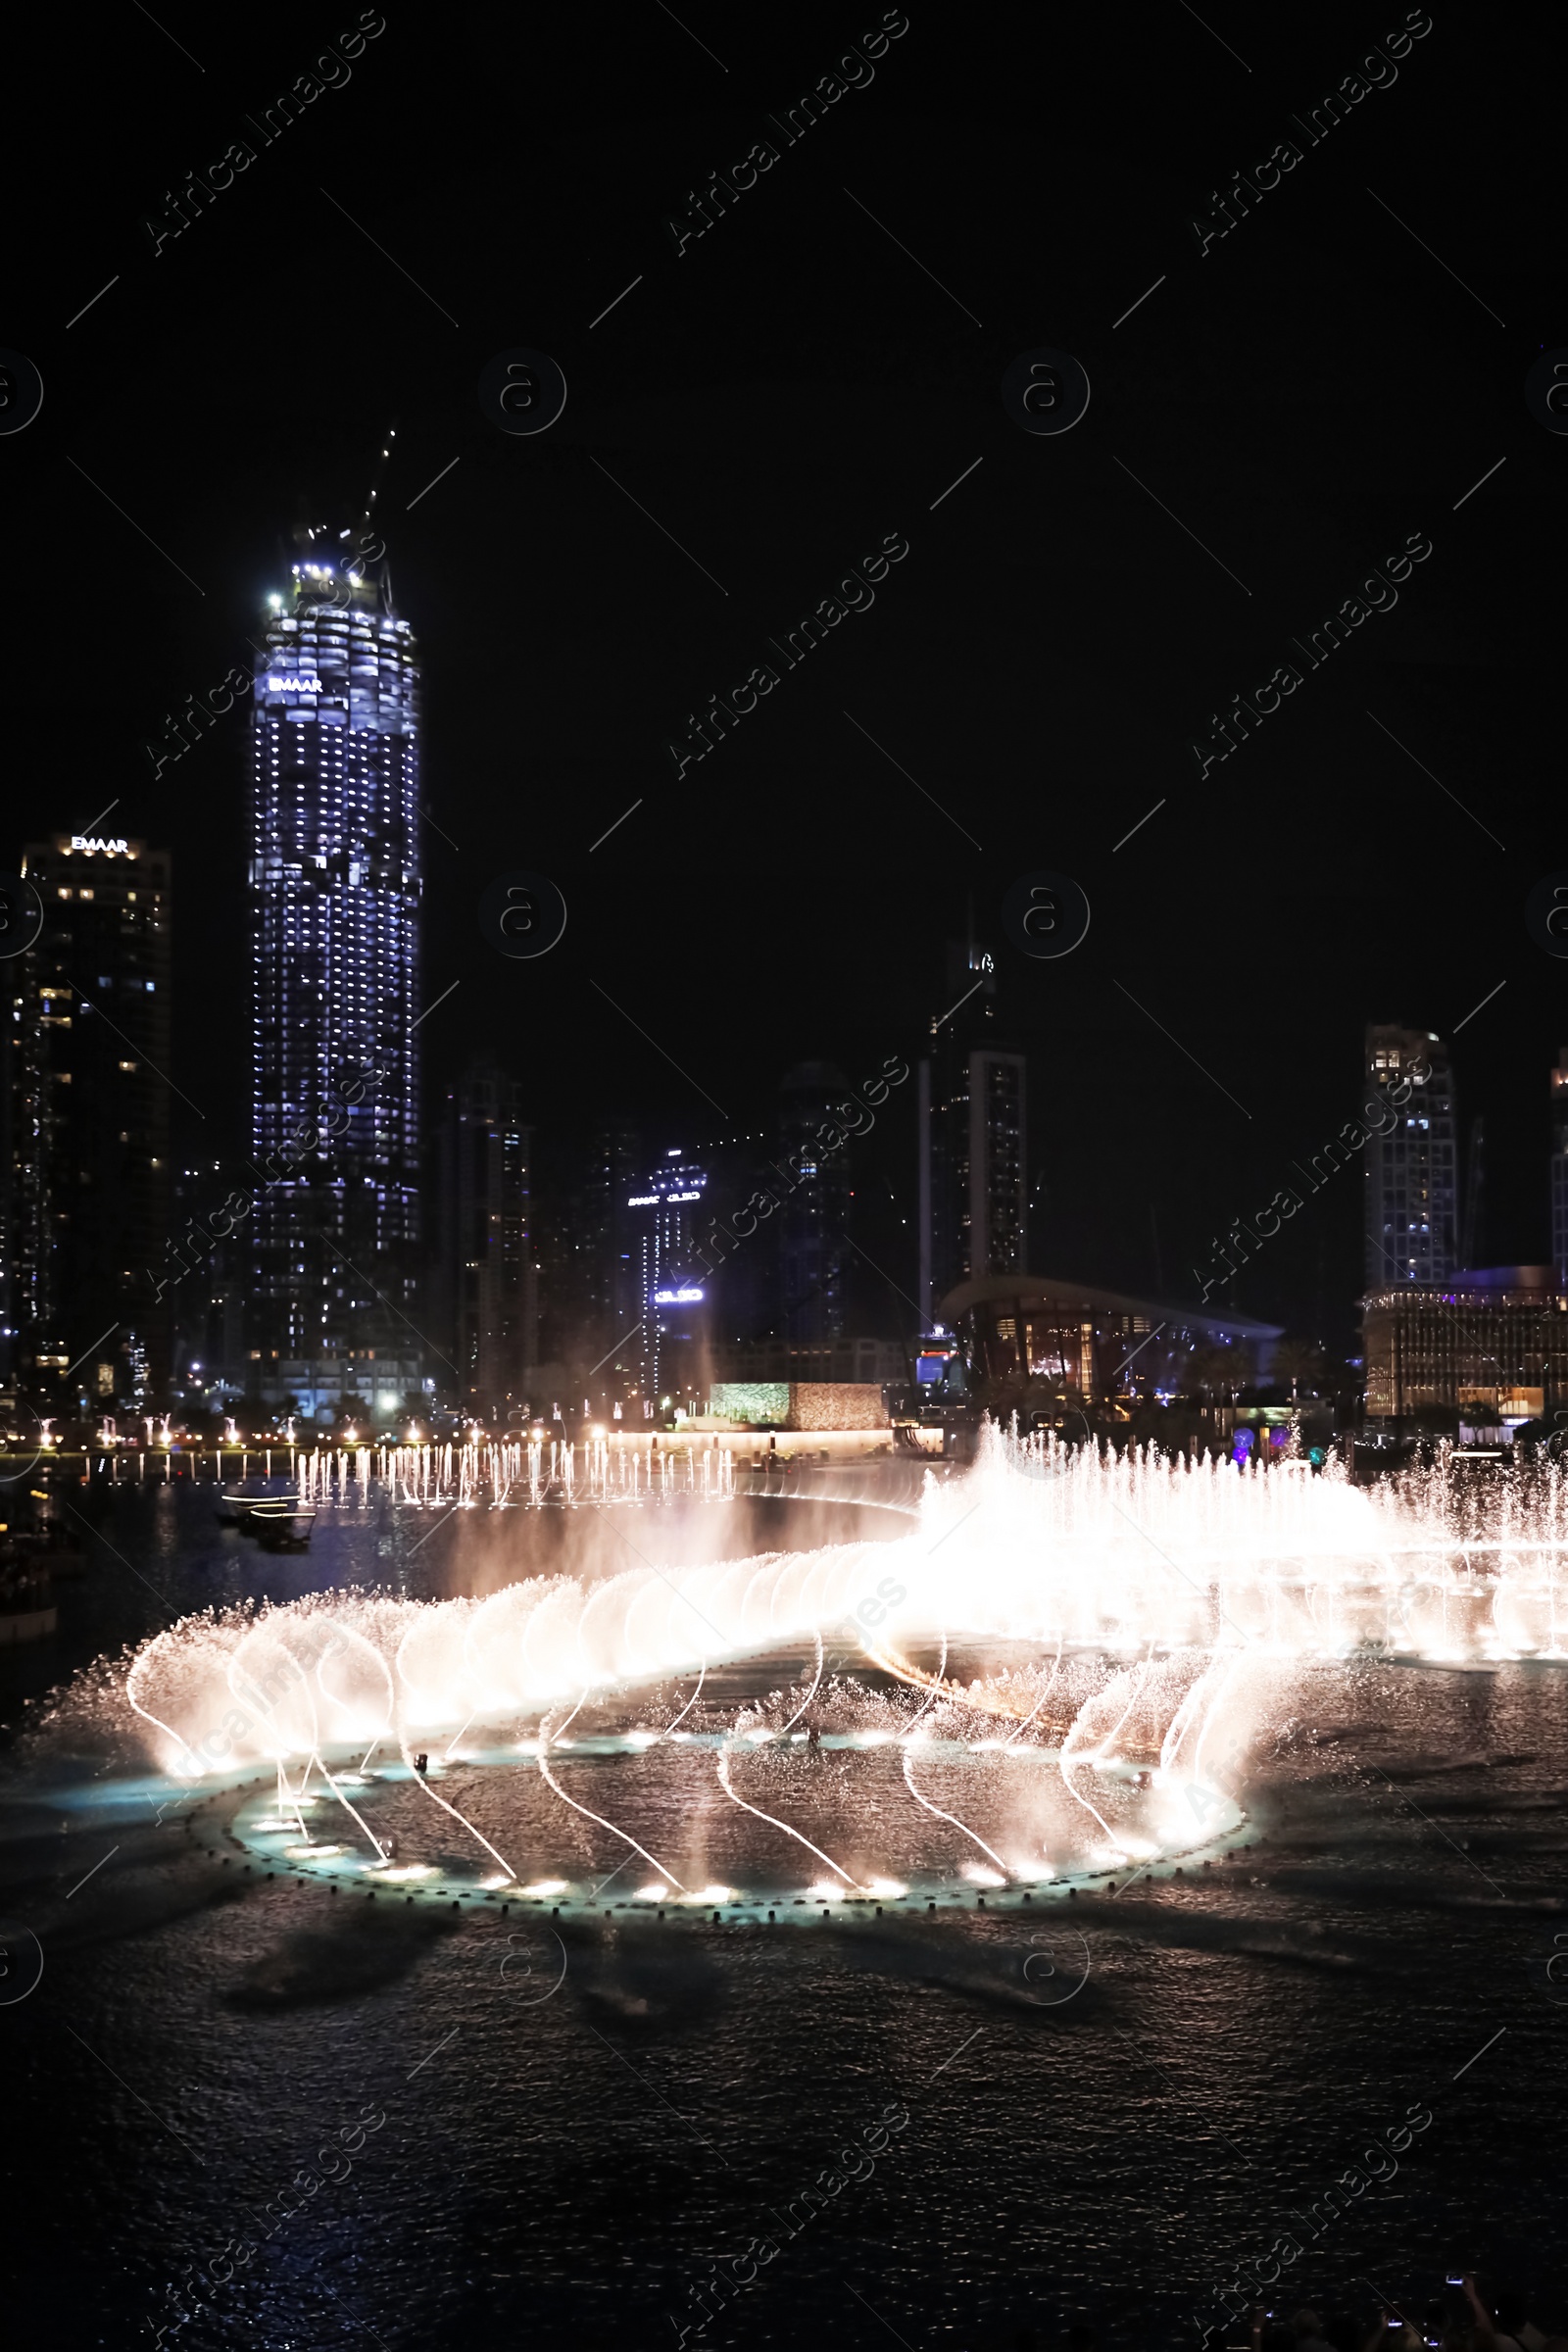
554, 2130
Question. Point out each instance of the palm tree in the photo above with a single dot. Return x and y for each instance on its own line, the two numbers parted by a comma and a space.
1215, 1372
1301, 1362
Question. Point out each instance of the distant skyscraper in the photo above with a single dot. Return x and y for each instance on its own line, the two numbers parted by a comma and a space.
672, 1294
603, 1295
335, 887
813, 1217
485, 1290
974, 1123
208, 1355
1412, 1185
1559, 1165
1472, 1249
92, 1245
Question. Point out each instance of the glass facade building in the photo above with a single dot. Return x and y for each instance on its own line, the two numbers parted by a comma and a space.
93, 1248
485, 1290
1490, 1346
336, 890
1412, 1177
1039, 1344
972, 1109
667, 1212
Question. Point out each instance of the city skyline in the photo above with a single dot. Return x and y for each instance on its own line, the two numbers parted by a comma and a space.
1154, 1109
784, 1332
335, 733
355, 1243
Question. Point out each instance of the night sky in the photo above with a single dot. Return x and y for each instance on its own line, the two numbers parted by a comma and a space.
781, 395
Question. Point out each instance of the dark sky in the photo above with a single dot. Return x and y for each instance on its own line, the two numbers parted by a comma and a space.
781, 395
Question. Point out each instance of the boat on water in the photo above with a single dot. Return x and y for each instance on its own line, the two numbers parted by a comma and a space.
281, 1523
237, 1505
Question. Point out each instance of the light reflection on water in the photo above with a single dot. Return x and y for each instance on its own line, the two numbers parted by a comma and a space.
564, 2151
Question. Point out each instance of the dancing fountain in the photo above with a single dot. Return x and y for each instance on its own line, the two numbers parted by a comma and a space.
1053, 1679
511, 1474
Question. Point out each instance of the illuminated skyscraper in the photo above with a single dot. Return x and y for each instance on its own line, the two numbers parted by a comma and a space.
335, 887
973, 1138
671, 1289
94, 1246
1412, 1181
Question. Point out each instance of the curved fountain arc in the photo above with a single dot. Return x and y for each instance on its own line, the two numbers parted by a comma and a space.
1104, 1570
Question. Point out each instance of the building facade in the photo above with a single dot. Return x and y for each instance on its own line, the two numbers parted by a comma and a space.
485, 1292
376, 1392
603, 1288
667, 1216
1030, 1340
1412, 1176
93, 1250
972, 1111
208, 1361
336, 889
1490, 1346
1559, 1166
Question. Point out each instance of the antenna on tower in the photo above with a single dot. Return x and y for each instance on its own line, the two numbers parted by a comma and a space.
378, 477
369, 552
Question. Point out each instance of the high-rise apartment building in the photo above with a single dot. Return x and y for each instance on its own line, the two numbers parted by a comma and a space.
1412, 1178
672, 1290
485, 1288
973, 1138
603, 1286
208, 1352
335, 888
91, 1240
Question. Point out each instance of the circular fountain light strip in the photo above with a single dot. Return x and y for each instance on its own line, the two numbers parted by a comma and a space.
425, 1882
253, 1827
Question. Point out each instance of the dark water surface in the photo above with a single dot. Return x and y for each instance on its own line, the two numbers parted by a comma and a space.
558, 2139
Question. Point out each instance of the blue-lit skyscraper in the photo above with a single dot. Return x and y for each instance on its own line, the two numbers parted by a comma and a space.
665, 1215
336, 886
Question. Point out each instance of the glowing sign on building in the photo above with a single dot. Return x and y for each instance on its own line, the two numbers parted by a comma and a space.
91, 846
675, 1297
